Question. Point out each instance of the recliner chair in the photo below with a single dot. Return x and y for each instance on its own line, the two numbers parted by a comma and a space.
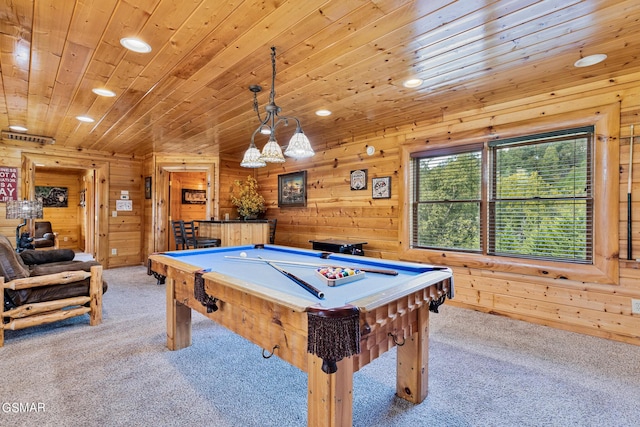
43, 236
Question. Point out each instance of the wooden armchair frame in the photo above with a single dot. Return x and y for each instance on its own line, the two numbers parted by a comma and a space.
41, 313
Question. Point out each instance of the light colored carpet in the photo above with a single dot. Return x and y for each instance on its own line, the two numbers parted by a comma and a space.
484, 371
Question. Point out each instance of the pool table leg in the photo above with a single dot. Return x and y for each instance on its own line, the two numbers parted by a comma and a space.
330, 396
178, 320
413, 361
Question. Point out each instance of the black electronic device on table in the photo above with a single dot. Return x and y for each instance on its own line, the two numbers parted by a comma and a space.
339, 246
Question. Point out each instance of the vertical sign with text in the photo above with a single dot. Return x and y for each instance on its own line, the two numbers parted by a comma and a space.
8, 184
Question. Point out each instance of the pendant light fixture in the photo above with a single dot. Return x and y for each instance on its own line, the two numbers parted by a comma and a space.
299, 145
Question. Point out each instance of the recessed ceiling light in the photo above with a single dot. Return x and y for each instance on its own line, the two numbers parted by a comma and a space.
135, 45
103, 92
323, 113
411, 83
18, 128
590, 60
85, 119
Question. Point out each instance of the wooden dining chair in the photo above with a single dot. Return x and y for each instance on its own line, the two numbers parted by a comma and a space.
178, 234
272, 230
191, 238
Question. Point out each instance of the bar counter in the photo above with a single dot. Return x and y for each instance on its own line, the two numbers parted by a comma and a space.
235, 232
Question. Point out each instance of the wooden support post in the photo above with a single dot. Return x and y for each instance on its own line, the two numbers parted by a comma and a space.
178, 320
412, 379
330, 396
95, 293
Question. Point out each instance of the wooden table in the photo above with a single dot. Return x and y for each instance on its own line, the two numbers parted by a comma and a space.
256, 301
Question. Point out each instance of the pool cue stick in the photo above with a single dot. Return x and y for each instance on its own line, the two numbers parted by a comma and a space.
307, 286
312, 264
629, 205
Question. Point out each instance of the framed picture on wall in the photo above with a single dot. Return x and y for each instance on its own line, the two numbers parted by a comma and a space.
53, 197
147, 187
194, 197
359, 179
292, 189
381, 187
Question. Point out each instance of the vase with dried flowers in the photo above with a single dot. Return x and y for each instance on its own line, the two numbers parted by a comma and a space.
249, 202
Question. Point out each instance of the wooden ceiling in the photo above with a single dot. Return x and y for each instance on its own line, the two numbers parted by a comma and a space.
190, 94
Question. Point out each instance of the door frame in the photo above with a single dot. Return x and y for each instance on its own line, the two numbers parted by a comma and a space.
97, 239
162, 172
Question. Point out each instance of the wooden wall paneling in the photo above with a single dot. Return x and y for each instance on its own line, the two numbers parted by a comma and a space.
630, 116
148, 168
86, 211
630, 275
62, 159
333, 210
230, 171
161, 232
585, 316
125, 229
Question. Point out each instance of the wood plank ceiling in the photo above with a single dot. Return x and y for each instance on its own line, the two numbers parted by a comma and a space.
190, 93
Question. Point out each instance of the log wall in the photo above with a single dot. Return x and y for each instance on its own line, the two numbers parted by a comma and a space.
113, 174
148, 222
125, 229
334, 210
230, 171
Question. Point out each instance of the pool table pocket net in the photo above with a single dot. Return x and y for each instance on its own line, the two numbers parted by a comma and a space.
333, 335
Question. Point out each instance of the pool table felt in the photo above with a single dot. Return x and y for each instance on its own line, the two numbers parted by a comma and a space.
260, 274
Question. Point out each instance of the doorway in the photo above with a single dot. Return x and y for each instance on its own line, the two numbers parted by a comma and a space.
70, 214
93, 180
161, 223
187, 199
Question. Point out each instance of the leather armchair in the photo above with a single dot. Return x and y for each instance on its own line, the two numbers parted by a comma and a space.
40, 287
43, 236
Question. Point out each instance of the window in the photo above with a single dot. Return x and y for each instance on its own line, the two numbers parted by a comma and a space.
539, 201
446, 211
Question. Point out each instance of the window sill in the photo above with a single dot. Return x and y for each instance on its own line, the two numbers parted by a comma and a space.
530, 267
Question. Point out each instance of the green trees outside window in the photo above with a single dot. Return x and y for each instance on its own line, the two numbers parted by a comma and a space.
538, 198
447, 207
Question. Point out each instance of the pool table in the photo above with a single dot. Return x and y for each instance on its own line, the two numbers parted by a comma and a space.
245, 289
